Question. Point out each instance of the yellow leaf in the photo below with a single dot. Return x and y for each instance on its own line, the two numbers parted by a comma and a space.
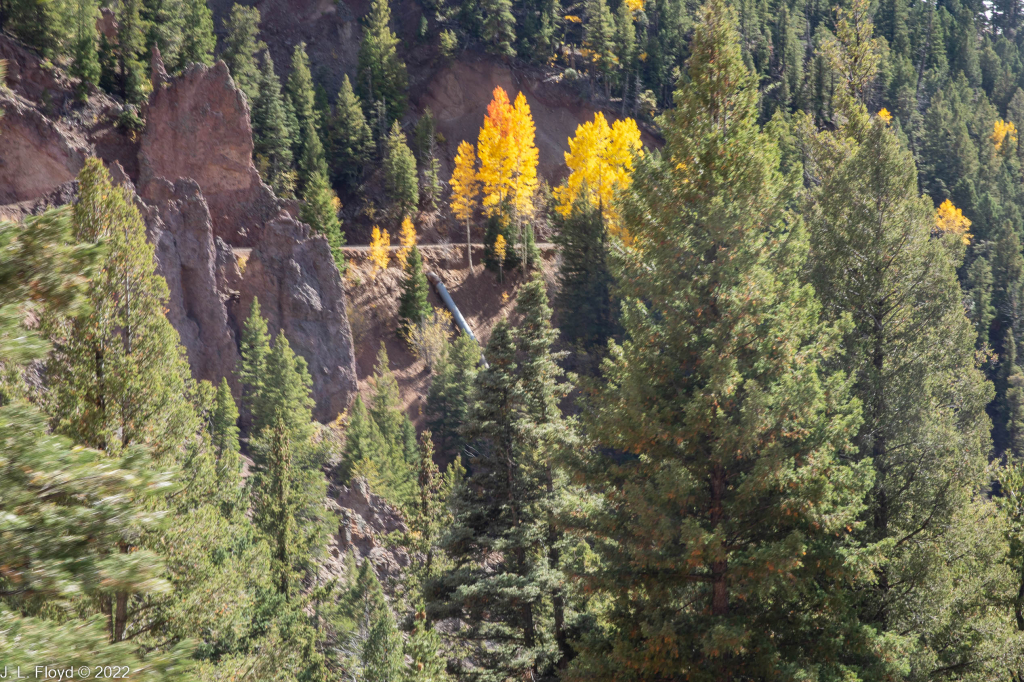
951, 220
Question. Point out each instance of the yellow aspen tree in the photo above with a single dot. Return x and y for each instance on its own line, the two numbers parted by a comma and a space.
499, 250
380, 249
1002, 130
407, 238
600, 161
508, 155
951, 220
465, 188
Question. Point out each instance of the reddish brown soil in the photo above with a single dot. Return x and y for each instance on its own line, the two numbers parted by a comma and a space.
373, 313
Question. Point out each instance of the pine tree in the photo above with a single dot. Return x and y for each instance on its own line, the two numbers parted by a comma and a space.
586, 313
365, 449
381, 653
307, 147
499, 27
382, 76
981, 311
626, 47
911, 355
351, 142
378, 443
413, 307
241, 47
717, 533
224, 423
272, 147
288, 488
320, 211
497, 514
252, 372
423, 648
119, 378
198, 40
400, 173
450, 395
133, 82
85, 64
600, 40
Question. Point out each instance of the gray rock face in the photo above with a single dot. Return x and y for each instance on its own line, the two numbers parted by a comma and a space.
197, 126
201, 198
362, 519
178, 224
293, 274
37, 154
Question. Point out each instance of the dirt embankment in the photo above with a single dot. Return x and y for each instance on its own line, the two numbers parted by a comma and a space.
373, 312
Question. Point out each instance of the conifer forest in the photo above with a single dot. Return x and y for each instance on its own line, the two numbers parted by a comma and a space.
512, 340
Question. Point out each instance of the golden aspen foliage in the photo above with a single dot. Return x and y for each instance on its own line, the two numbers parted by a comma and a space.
1002, 130
951, 220
464, 182
508, 155
407, 238
600, 161
499, 247
885, 115
380, 249
635, 5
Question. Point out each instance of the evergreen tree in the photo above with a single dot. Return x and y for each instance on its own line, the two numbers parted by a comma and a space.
133, 81
320, 211
382, 76
423, 647
1012, 388
717, 532
413, 307
241, 47
600, 39
450, 395
85, 64
381, 653
308, 148
380, 441
163, 26
911, 355
981, 311
498, 514
252, 372
584, 301
119, 378
224, 424
499, 27
272, 148
198, 40
400, 173
351, 142
365, 450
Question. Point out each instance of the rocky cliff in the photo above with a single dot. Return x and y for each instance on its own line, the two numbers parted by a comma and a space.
203, 204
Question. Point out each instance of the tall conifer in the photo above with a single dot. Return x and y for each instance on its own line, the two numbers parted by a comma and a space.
272, 146
724, 513
911, 356
381, 73
351, 142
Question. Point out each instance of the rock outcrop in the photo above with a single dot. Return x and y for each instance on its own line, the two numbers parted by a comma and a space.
300, 292
197, 126
179, 226
364, 518
204, 198
37, 154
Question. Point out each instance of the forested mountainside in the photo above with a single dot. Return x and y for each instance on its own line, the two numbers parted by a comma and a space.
743, 403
